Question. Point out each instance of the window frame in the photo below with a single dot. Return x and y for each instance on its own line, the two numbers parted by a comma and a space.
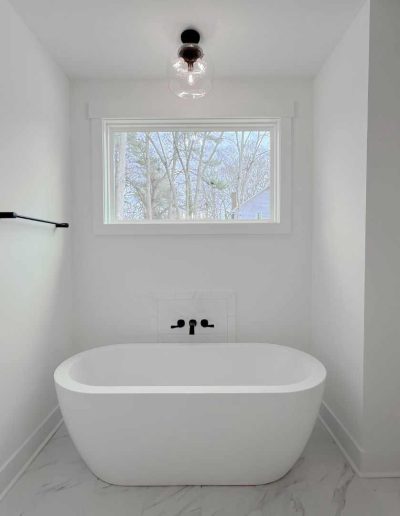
280, 180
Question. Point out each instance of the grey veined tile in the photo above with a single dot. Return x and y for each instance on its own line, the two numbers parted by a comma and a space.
172, 501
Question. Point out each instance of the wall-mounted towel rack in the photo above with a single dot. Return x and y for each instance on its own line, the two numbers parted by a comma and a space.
13, 215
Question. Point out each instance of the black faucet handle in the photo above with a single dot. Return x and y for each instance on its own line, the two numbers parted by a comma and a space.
204, 323
180, 323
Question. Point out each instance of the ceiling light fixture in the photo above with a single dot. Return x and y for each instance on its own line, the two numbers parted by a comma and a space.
190, 72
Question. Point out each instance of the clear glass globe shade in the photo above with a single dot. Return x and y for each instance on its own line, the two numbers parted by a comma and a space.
190, 82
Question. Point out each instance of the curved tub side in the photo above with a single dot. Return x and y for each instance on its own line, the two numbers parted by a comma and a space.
175, 439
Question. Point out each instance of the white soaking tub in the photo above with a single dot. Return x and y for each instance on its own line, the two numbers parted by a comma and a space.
161, 414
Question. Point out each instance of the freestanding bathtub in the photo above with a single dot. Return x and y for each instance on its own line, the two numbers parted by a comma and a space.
160, 414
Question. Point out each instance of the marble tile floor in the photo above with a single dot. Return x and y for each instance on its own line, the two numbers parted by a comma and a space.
321, 483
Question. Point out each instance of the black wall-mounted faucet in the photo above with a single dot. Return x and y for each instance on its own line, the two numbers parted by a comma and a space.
180, 323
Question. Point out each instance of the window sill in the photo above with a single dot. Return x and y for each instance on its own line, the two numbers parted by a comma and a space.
194, 228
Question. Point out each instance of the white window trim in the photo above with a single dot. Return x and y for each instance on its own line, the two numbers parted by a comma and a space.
282, 187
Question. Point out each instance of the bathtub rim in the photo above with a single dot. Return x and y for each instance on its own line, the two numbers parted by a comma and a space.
63, 379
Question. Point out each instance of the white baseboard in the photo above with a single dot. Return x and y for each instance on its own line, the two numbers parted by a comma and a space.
357, 457
342, 437
15, 466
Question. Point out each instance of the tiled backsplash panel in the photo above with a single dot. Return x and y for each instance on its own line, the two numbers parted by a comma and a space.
218, 307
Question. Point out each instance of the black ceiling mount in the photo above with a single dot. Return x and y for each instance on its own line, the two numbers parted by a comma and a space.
190, 36
190, 53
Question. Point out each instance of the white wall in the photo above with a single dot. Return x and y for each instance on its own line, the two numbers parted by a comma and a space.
339, 203
35, 259
382, 284
356, 240
114, 275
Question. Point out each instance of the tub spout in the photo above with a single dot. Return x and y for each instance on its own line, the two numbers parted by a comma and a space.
192, 325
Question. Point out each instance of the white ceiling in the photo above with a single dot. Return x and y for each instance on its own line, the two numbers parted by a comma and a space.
135, 38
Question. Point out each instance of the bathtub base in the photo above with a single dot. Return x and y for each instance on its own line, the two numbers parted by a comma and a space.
184, 482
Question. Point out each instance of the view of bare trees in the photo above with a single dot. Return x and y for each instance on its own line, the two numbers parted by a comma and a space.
188, 175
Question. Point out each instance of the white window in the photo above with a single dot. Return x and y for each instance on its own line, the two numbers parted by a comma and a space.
201, 176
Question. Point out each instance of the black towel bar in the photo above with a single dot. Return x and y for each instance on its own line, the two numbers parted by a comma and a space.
13, 215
